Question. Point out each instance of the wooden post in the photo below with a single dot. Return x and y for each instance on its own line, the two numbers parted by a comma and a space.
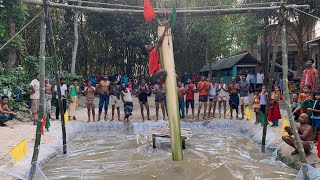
172, 95
57, 80
42, 53
270, 83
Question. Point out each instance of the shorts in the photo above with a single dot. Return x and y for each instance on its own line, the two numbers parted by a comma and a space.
114, 101
213, 98
90, 102
188, 102
244, 101
34, 106
203, 98
317, 123
143, 98
222, 98
160, 97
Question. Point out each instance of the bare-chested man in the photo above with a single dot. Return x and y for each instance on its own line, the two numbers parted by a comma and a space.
89, 92
5, 113
234, 98
48, 97
306, 135
104, 91
181, 93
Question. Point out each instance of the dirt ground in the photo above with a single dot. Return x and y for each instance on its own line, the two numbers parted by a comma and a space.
17, 130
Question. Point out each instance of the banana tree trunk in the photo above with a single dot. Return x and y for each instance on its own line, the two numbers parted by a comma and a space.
41, 104
172, 95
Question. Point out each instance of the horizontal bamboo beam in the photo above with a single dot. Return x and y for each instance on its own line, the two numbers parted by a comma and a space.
188, 12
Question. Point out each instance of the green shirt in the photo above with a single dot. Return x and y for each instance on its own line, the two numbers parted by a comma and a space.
308, 104
74, 93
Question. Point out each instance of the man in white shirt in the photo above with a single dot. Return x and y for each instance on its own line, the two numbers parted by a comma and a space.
260, 79
34, 88
250, 80
64, 89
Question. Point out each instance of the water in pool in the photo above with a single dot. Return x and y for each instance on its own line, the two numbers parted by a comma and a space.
123, 154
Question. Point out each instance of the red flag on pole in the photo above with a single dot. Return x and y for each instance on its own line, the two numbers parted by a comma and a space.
148, 13
43, 125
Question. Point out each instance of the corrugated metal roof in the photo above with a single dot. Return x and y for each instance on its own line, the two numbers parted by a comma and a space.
229, 62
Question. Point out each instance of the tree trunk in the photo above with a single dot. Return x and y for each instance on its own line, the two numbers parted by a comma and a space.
264, 47
12, 58
76, 41
300, 43
41, 104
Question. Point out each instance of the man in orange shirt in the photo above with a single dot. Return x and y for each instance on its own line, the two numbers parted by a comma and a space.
310, 75
203, 89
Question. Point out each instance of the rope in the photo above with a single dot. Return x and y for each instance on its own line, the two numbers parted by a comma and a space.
109, 4
306, 13
13, 37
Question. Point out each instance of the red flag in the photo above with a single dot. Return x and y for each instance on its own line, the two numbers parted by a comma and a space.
43, 125
148, 13
318, 147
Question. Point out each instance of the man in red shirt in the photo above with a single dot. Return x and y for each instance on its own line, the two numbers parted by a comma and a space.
155, 70
310, 75
191, 89
203, 89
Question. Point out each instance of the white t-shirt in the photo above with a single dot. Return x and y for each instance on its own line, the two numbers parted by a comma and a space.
36, 86
260, 78
63, 89
127, 96
250, 78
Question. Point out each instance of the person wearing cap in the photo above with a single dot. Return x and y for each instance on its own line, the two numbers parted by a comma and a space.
74, 92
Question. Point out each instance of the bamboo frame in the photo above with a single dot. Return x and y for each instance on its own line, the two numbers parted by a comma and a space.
188, 12
172, 95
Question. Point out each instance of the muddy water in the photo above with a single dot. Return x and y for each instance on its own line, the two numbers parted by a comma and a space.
125, 155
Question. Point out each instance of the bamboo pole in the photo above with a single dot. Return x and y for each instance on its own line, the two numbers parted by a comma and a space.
57, 80
188, 12
172, 95
286, 94
270, 83
42, 52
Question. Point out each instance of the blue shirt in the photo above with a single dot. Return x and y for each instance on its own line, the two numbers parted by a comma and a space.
243, 85
125, 80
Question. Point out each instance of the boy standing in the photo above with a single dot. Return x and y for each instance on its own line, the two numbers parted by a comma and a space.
89, 92
191, 89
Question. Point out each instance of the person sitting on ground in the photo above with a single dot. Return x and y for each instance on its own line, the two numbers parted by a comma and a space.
89, 92
155, 70
305, 132
307, 103
5, 113
304, 96
315, 115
